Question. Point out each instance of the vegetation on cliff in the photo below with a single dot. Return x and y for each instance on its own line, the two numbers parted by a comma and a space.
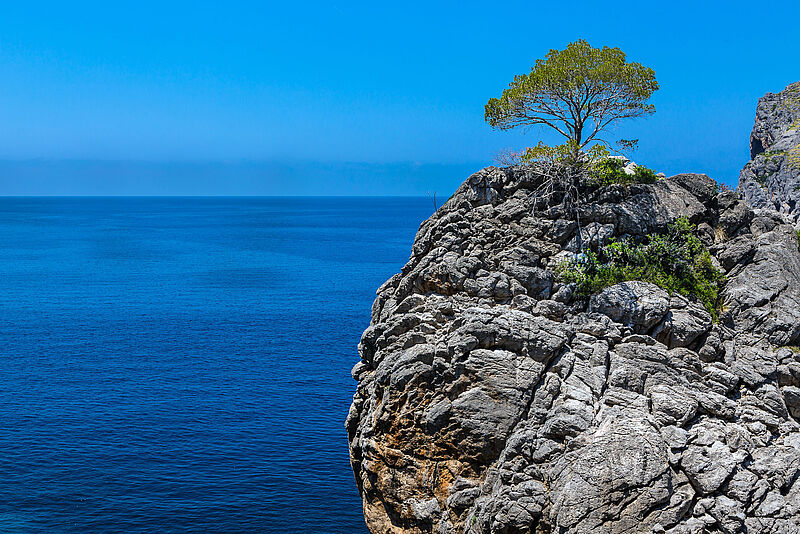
607, 171
771, 179
676, 261
579, 92
491, 400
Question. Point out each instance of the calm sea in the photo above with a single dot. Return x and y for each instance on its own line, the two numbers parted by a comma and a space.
182, 364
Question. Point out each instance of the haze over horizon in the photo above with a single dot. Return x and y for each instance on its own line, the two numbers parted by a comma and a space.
254, 99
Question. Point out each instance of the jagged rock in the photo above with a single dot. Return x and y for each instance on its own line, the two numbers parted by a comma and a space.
699, 185
708, 467
639, 305
493, 398
686, 323
763, 293
772, 177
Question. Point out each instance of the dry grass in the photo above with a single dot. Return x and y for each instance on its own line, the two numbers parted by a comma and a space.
719, 235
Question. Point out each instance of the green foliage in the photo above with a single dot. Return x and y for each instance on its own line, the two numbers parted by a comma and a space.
644, 175
608, 170
598, 164
769, 154
598, 152
541, 153
797, 233
575, 89
676, 261
792, 157
549, 154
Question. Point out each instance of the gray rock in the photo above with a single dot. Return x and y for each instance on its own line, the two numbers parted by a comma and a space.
700, 186
686, 323
763, 294
791, 395
493, 398
619, 455
672, 405
708, 467
639, 305
771, 177
735, 252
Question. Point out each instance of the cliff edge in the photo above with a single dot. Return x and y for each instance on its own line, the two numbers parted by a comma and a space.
493, 398
772, 177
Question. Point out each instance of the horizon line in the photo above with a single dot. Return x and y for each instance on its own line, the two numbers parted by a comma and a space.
211, 196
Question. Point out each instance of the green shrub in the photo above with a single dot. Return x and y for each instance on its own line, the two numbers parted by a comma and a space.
607, 171
676, 261
643, 175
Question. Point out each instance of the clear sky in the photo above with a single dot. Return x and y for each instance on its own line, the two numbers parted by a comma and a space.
289, 97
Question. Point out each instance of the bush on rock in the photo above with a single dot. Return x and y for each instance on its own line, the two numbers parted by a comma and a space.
676, 261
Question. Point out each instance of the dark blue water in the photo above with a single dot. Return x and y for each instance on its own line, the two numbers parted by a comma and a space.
182, 364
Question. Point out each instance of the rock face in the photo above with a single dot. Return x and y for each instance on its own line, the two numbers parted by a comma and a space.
772, 177
490, 398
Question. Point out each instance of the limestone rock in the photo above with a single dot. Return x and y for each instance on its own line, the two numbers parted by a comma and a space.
639, 305
493, 398
772, 177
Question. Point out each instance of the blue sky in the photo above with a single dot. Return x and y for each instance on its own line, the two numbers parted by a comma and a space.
144, 97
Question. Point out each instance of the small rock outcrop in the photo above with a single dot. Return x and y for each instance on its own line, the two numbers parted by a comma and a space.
772, 177
492, 398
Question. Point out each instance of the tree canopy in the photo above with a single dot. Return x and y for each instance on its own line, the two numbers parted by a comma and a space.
578, 91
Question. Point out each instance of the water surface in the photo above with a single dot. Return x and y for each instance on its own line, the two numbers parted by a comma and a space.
182, 364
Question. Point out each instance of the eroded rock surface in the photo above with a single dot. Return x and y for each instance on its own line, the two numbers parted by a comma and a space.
491, 399
772, 177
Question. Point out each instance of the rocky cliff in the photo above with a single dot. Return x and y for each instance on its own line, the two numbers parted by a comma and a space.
772, 177
493, 397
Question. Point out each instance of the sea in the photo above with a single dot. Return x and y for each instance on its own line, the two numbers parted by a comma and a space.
183, 364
